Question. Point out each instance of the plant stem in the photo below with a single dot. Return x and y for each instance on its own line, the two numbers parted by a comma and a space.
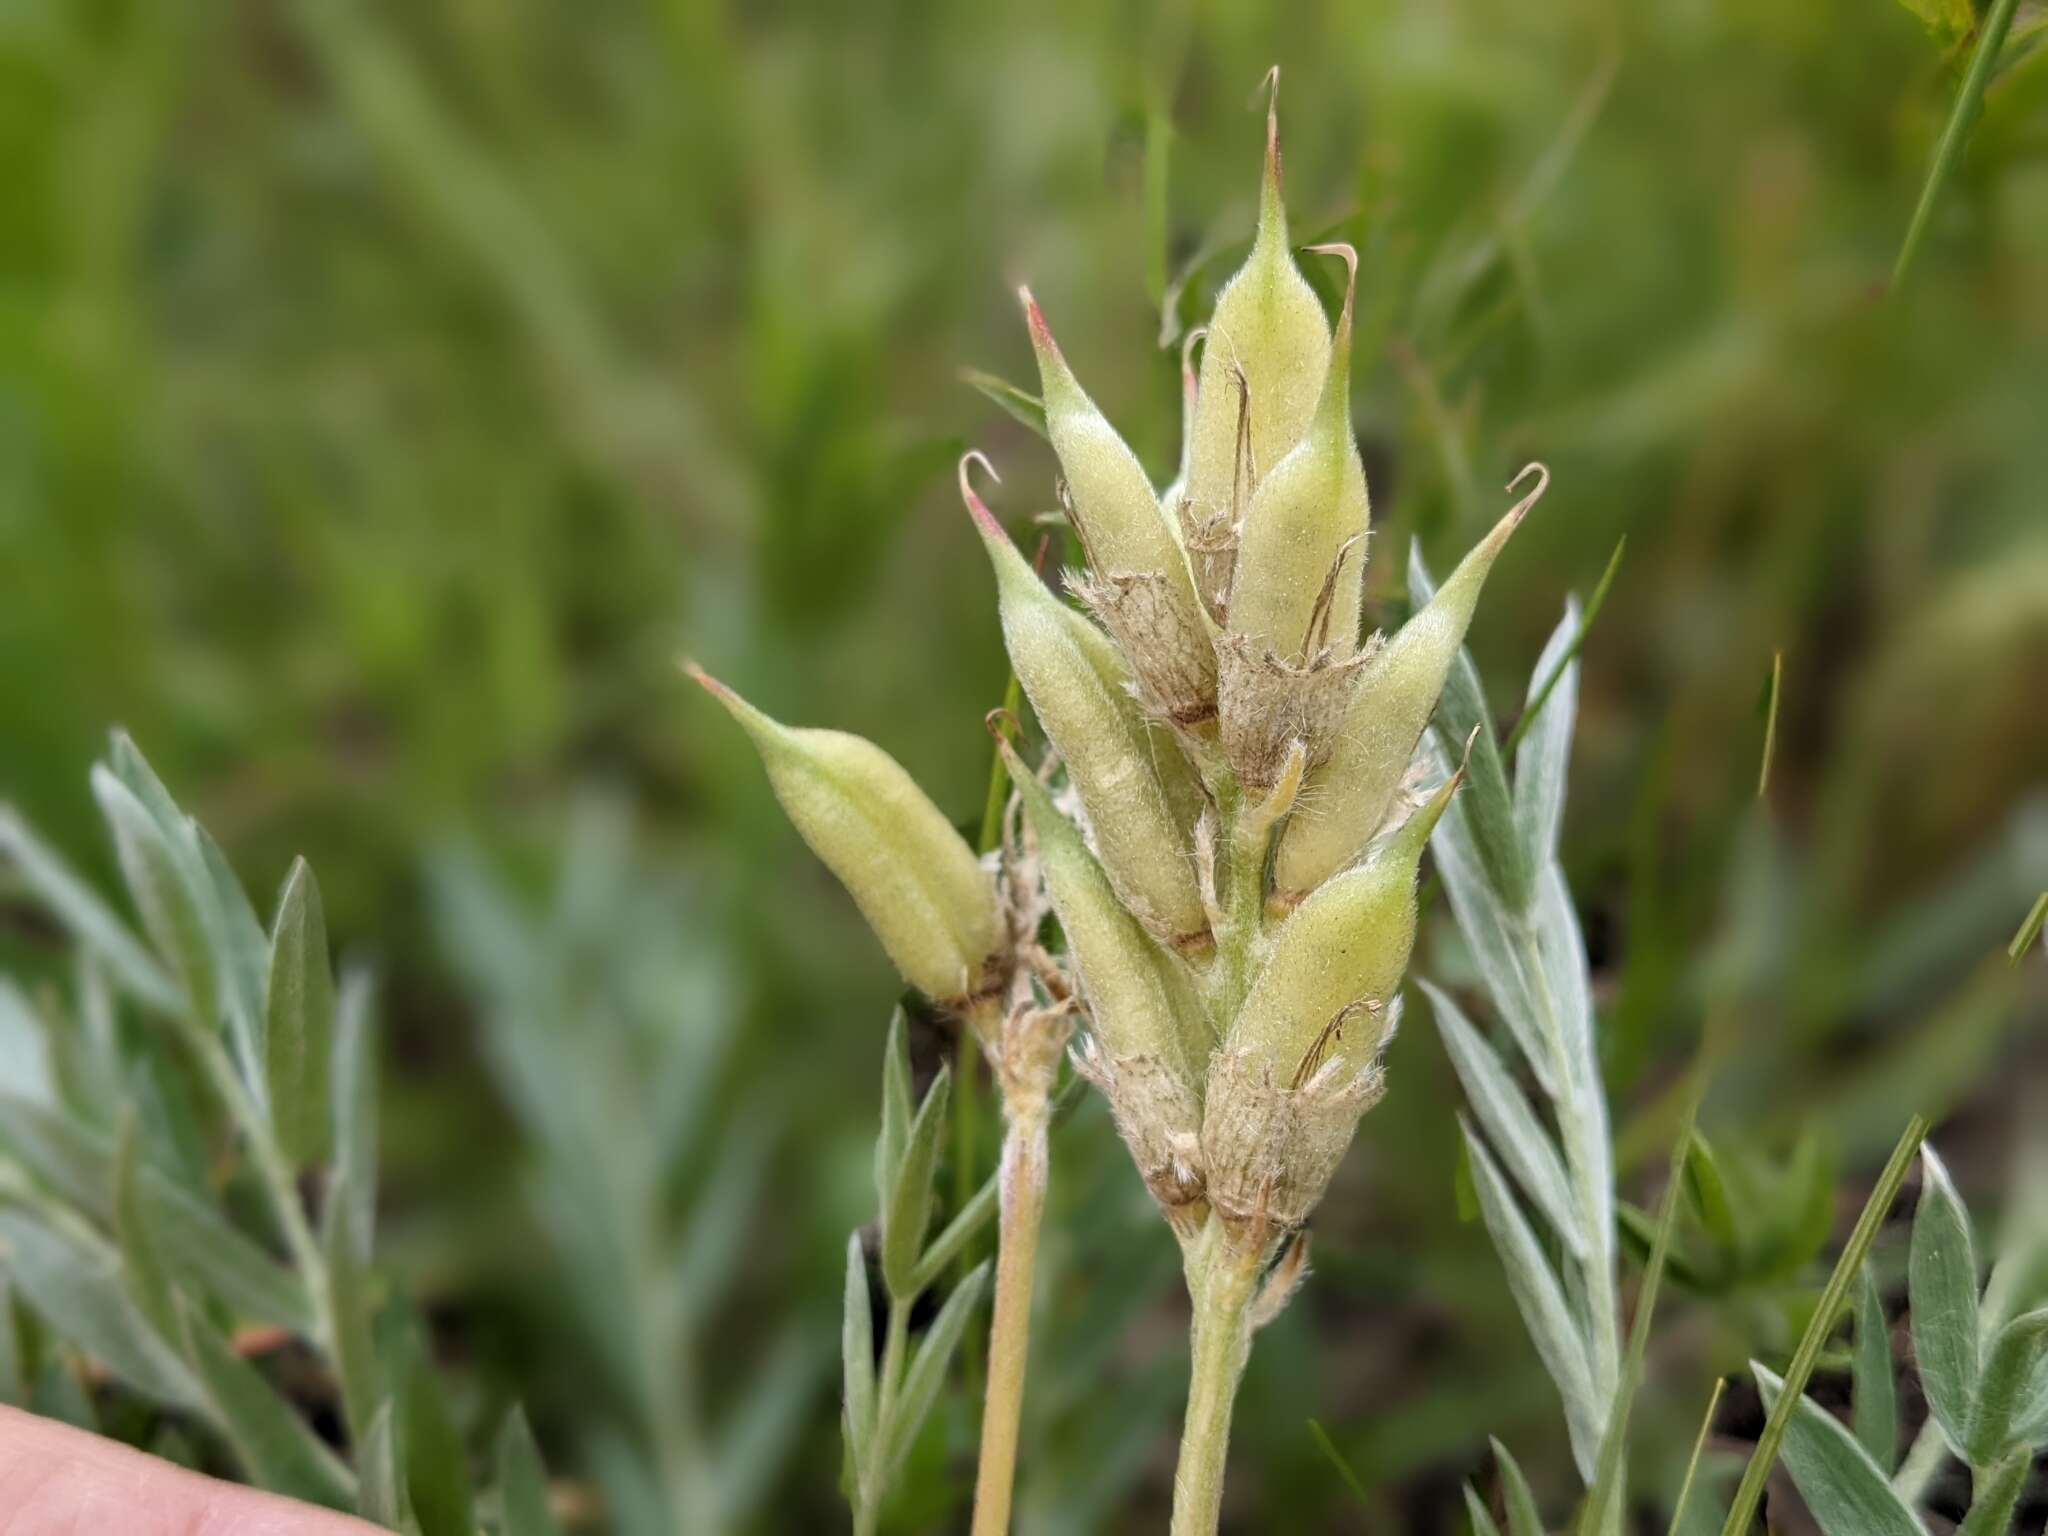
1969, 100
1022, 1186
1922, 1461
1222, 1277
278, 1183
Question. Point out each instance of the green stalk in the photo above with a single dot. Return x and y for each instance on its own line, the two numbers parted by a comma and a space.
1222, 1278
1960, 121
1022, 1209
1832, 1299
279, 1184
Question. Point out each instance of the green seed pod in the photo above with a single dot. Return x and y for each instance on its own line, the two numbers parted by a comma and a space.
1144, 850
1123, 974
1337, 961
1270, 326
1301, 549
1347, 798
919, 885
1177, 777
1118, 515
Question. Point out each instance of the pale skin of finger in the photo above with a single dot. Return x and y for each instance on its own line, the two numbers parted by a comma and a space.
59, 1481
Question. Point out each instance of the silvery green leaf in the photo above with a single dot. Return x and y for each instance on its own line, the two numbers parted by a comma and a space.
167, 893
2015, 1360
1845, 1490
1565, 996
14, 1386
73, 1281
354, 1086
927, 1371
1876, 1389
857, 1353
90, 920
195, 1242
62, 1153
354, 1347
142, 1271
1544, 757
714, 1239
436, 1468
1546, 1311
1523, 1517
2030, 1417
1476, 1512
298, 1037
1942, 1277
956, 1235
1491, 808
896, 1109
380, 1487
908, 1211
522, 1482
1509, 1120
277, 1449
1494, 934
1996, 1496
24, 1048
244, 950
762, 1424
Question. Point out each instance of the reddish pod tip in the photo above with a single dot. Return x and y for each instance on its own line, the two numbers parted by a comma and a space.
706, 681
1041, 333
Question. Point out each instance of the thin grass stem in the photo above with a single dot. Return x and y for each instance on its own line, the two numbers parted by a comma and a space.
1832, 1299
1949, 152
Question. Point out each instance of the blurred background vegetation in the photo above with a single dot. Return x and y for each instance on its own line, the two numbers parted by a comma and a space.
389, 393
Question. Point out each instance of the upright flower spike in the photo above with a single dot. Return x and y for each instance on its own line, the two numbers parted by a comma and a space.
1348, 797
1301, 550
1267, 353
1143, 849
1138, 578
918, 884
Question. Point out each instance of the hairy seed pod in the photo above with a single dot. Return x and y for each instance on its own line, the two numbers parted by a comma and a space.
1347, 798
919, 885
1177, 777
1115, 509
1269, 344
1124, 976
1302, 547
1145, 853
1338, 960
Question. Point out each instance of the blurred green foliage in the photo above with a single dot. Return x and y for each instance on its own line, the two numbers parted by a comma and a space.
388, 394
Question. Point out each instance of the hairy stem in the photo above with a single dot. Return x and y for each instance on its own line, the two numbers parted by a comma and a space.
1022, 1186
1222, 1277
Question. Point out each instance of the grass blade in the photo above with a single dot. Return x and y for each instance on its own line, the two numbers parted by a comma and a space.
1335, 1458
1699, 1450
1969, 101
1750, 1491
